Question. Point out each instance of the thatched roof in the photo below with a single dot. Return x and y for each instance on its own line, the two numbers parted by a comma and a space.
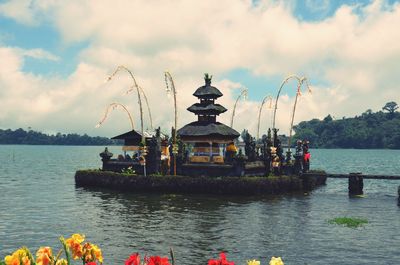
207, 108
199, 128
207, 91
135, 137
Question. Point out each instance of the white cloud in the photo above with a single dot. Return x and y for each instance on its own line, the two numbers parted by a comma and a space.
19, 10
27, 12
38, 54
351, 61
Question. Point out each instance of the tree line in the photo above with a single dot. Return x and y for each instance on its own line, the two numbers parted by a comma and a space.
20, 136
369, 130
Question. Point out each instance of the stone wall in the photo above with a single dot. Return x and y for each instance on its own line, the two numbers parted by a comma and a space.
187, 184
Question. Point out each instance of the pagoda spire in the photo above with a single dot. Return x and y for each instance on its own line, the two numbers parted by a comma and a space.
207, 79
207, 109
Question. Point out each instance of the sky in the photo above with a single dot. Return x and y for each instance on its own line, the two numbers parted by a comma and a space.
56, 56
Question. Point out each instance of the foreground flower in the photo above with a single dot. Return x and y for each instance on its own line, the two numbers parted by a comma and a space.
253, 262
44, 256
62, 262
221, 261
91, 253
276, 261
134, 259
21, 256
157, 260
74, 244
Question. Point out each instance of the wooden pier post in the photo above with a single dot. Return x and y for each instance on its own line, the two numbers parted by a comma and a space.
356, 184
398, 200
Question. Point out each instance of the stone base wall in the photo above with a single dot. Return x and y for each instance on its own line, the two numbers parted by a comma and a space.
186, 184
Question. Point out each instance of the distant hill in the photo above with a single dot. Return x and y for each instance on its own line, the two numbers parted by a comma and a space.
370, 130
30, 137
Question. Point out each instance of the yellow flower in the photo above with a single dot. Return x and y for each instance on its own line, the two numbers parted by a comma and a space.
276, 261
44, 256
77, 238
97, 253
74, 244
253, 262
19, 257
62, 262
91, 252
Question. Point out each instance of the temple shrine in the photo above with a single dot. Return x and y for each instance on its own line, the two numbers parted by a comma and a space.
206, 147
206, 140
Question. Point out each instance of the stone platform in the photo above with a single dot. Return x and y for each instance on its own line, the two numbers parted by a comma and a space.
246, 185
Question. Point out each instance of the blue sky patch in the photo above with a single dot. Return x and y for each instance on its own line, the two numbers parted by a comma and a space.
45, 37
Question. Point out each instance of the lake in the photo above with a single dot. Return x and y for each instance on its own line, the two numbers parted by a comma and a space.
39, 202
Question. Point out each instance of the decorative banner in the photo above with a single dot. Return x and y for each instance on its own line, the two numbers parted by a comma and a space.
111, 107
244, 94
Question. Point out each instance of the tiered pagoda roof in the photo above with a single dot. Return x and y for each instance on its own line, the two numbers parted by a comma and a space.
207, 91
201, 128
207, 110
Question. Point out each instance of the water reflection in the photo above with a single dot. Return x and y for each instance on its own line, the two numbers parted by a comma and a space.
198, 225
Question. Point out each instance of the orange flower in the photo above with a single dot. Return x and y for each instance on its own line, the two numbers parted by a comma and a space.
91, 252
97, 253
19, 257
44, 256
74, 244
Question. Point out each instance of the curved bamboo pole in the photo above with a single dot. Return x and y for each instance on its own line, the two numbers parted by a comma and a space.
243, 94
147, 104
113, 106
298, 93
171, 88
266, 98
277, 96
119, 68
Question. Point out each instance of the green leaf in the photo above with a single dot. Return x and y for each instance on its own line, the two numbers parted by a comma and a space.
66, 250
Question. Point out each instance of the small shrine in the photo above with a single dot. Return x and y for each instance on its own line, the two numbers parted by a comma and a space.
206, 139
132, 139
157, 152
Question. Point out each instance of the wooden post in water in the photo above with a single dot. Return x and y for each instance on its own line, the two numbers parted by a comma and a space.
398, 200
356, 184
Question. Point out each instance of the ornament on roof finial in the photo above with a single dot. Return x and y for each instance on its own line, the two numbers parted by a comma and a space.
207, 78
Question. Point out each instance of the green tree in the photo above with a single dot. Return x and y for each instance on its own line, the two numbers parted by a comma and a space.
20, 136
390, 107
369, 130
328, 118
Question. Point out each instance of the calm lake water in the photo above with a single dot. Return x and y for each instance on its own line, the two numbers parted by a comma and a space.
39, 202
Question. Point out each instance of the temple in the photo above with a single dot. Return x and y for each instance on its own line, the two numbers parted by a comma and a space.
206, 140
206, 147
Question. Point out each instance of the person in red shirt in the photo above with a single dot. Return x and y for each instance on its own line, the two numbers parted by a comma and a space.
306, 156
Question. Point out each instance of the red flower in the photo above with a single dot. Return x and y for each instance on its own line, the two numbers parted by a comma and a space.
91, 263
222, 261
157, 260
134, 259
